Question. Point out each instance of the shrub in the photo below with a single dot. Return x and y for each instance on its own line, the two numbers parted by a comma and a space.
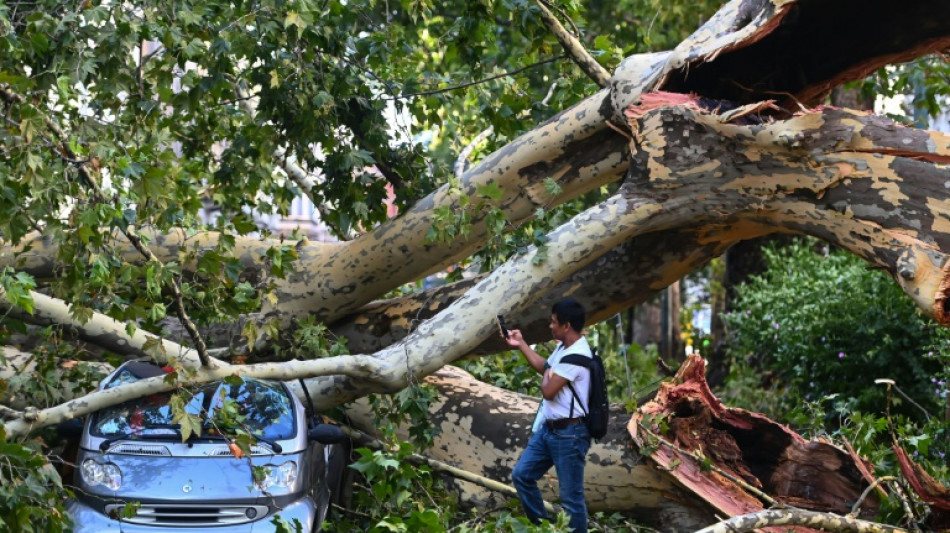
821, 322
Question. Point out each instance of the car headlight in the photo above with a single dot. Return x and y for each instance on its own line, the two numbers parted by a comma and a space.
107, 475
284, 475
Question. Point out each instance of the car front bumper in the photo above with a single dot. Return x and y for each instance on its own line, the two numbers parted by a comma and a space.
87, 519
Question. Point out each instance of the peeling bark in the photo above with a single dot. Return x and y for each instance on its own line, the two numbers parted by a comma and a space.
927, 488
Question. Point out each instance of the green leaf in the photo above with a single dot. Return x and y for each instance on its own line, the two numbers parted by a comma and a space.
490, 191
130, 509
189, 423
293, 19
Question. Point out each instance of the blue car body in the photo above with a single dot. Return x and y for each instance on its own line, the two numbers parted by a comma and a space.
135, 475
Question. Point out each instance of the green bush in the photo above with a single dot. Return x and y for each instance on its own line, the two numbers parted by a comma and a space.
31, 492
820, 322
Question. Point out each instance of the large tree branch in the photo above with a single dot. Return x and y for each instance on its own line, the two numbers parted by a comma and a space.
784, 518
700, 168
484, 429
622, 278
857, 180
440, 340
578, 150
104, 331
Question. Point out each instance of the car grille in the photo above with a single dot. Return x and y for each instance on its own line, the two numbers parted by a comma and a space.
191, 515
141, 449
224, 451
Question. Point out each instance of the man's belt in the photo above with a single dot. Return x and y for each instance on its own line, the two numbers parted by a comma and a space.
562, 423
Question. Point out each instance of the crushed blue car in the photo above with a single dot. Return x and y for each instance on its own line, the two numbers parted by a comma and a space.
134, 473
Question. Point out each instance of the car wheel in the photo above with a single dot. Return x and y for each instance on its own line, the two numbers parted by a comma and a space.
344, 477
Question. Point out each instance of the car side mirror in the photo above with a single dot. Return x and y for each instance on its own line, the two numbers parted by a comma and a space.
326, 434
70, 429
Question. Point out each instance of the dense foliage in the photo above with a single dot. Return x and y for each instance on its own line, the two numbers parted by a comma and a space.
122, 118
813, 334
819, 322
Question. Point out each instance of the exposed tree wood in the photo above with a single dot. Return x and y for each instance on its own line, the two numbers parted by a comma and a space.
660, 481
927, 488
722, 453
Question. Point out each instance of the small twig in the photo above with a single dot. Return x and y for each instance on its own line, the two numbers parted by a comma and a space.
898, 489
891, 383
460, 162
487, 483
352, 512
867, 491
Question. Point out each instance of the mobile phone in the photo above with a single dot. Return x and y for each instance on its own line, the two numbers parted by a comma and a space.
501, 326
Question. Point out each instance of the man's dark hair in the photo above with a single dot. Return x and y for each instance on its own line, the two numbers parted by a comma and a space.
570, 311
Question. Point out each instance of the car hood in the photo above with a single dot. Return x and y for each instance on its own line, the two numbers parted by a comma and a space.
192, 479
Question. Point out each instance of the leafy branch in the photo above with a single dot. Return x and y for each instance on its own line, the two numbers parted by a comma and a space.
66, 152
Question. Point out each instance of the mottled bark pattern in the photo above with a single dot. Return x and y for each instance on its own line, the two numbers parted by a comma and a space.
782, 520
484, 429
860, 181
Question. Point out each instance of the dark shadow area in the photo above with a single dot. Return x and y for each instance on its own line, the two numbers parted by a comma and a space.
810, 52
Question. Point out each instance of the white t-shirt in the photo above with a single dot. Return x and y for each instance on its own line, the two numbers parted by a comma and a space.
560, 406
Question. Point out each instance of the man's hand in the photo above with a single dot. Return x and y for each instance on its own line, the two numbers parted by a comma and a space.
515, 340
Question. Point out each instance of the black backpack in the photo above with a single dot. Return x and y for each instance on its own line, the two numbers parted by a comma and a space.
597, 403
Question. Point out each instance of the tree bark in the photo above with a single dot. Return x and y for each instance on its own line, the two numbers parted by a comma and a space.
712, 460
484, 429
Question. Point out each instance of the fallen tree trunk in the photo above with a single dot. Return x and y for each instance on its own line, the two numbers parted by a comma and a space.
682, 461
484, 429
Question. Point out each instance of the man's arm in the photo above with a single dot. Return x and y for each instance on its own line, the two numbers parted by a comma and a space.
515, 340
551, 384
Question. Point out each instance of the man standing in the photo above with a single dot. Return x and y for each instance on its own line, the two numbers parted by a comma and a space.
560, 438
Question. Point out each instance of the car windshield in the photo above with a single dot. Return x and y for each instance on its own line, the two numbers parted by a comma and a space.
266, 407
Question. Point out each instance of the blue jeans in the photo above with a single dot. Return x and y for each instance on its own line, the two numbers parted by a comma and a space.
566, 450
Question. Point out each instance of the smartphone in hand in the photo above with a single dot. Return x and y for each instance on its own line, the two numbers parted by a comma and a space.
501, 326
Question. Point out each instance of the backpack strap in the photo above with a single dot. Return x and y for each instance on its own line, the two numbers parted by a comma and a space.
576, 398
577, 359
